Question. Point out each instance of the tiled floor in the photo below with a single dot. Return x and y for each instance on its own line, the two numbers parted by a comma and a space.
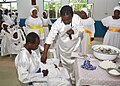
8, 76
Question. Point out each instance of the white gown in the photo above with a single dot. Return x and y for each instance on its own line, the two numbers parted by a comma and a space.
66, 46
18, 43
88, 25
27, 66
45, 26
30, 21
112, 38
6, 42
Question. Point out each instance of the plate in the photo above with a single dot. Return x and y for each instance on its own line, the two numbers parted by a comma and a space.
107, 64
113, 72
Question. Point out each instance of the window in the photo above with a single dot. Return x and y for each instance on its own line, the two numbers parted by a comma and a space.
8, 4
79, 4
52, 7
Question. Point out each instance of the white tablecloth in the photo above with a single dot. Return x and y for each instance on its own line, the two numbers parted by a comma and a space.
93, 77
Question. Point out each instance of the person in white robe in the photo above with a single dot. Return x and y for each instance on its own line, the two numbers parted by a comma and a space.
46, 22
18, 40
34, 24
7, 19
30, 70
112, 36
6, 39
69, 31
89, 31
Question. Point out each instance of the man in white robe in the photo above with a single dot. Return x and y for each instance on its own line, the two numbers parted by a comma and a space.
69, 31
32, 71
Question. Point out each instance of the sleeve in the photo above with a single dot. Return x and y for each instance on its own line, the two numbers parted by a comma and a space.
105, 21
93, 27
53, 33
22, 65
27, 22
49, 22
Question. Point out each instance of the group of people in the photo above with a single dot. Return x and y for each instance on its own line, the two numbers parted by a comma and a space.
74, 34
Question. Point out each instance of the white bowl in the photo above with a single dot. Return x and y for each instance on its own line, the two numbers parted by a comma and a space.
105, 56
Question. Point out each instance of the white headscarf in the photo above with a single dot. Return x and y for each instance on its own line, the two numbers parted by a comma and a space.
5, 24
117, 8
85, 10
32, 10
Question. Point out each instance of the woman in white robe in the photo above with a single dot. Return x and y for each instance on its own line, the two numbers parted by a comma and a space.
89, 30
34, 24
17, 41
68, 29
6, 39
31, 70
112, 36
46, 21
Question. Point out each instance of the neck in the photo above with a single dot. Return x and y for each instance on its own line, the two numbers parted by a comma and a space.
27, 47
115, 17
34, 16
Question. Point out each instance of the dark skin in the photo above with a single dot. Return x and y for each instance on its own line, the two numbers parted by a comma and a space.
33, 46
116, 14
34, 14
67, 19
5, 27
83, 15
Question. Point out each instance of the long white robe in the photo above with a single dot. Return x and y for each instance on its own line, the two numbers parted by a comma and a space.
6, 42
88, 25
111, 38
66, 46
18, 43
45, 26
27, 66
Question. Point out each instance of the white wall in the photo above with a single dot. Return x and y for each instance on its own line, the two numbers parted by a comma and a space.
65, 2
103, 8
24, 7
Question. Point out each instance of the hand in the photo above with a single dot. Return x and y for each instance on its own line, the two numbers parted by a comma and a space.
45, 72
70, 31
92, 39
44, 58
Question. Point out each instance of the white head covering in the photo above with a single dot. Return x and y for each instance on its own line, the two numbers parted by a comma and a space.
117, 8
85, 10
32, 10
4, 23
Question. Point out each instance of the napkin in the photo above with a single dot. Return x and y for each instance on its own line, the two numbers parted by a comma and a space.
87, 65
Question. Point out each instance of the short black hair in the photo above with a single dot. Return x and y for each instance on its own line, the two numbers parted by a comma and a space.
66, 10
31, 37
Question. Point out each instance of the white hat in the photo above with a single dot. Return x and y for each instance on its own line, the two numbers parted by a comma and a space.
85, 10
32, 10
117, 8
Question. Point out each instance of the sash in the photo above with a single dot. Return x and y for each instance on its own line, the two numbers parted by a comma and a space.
114, 30
37, 28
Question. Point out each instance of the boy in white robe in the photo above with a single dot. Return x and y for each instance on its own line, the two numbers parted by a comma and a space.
89, 30
112, 36
31, 70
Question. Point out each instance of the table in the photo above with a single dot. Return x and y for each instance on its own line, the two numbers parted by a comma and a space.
93, 77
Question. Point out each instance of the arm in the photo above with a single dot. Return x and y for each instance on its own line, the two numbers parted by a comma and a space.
49, 40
